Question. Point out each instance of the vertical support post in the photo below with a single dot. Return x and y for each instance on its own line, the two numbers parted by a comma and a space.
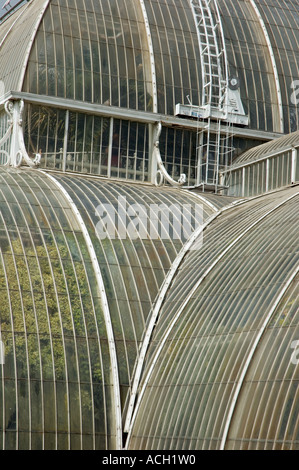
152, 164
267, 174
110, 147
66, 132
2, 353
243, 181
294, 164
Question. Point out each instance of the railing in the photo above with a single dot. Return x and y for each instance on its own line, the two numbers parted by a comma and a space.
128, 166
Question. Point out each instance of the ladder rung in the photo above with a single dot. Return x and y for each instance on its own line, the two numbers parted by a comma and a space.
213, 66
211, 63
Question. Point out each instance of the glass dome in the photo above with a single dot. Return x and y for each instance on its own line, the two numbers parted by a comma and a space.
220, 371
74, 305
148, 235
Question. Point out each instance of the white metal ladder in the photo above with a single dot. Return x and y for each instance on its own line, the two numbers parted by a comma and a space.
214, 142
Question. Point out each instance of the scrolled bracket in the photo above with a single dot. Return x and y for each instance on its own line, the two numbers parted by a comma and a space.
17, 154
162, 173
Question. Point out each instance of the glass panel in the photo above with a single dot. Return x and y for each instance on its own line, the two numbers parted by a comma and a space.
201, 343
84, 26
51, 335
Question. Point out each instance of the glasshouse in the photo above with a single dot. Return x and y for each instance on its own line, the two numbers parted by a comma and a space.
149, 255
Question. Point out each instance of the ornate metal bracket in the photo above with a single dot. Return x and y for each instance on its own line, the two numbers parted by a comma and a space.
162, 173
17, 154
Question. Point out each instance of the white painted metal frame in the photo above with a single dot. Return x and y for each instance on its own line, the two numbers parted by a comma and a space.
34, 31
251, 354
106, 312
163, 341
195, 238
129, 114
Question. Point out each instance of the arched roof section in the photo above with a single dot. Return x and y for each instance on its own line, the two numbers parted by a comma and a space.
117, 53
278, 145
133, 269
220, 315
16, 36
249, 60
57, 390
282, 23
75, 305
92, 51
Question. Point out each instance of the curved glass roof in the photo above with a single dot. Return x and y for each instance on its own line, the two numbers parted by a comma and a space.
249, 60
277, 145
136, 315
16, 35
7, 7
223, 343
282, 20
58, 385
116, 53
77, 308
133, 270
263, 36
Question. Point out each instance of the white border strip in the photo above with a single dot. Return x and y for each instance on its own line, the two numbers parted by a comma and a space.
106, 311
152, 55
155, 313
